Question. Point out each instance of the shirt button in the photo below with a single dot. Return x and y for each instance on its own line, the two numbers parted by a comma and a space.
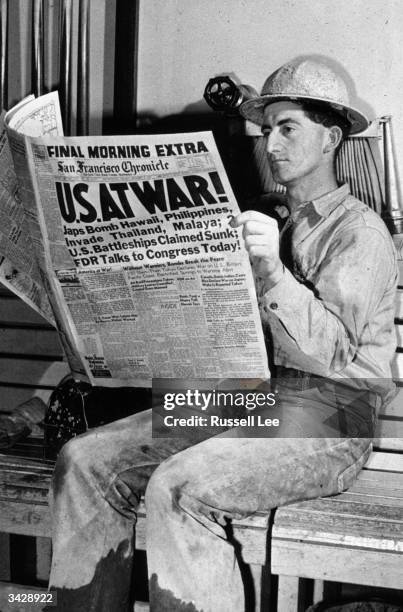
274, 305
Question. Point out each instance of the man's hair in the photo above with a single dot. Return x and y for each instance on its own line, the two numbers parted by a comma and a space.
325, 115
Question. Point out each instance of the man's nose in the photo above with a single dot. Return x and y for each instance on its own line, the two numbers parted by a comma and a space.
272, 141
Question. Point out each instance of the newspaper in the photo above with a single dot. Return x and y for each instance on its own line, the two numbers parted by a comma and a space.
133, 247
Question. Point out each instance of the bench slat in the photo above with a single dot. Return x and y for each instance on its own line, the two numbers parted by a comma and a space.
399, 304
11, 397
25, 518
14, 310
388, 444
395, 407
353, 541
389, 431
38, 495
373, 478
32, 372
25, 478
386, 485
30, 342
43, 466
397, 365
366, 498
343, 517
400, 271
389, 462
337, 563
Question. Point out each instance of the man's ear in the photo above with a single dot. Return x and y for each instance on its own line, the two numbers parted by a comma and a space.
334, 136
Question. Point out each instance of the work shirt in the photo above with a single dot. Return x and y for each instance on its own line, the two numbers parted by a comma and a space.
332, 312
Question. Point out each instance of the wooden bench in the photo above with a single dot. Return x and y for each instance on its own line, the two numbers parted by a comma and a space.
355, 537
31, 365
31, 358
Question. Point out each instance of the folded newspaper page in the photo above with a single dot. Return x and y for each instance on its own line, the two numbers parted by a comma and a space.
19, 270
144, 275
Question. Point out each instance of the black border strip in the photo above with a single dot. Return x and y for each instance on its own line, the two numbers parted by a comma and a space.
126, 58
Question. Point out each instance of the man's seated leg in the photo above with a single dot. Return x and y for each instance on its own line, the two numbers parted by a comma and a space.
97, 483
192, 497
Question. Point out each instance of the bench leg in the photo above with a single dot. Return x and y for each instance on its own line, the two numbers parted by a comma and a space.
256, 571
5, 570
318, 591
141, 606
43, 558
287, 594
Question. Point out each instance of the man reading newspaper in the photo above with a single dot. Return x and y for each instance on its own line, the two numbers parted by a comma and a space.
326, 289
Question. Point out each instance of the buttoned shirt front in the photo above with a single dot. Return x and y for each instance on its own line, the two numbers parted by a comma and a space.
332, 313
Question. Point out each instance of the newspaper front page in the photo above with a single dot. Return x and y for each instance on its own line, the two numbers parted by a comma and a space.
145, 276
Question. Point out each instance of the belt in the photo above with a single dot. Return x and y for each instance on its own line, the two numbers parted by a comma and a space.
297, 379
290, 378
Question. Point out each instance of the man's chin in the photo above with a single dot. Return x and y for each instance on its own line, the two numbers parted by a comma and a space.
281, 178
280, 173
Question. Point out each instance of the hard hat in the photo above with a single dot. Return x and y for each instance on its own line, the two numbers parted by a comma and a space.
310, 80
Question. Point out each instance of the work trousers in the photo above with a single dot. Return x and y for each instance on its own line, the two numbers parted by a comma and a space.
192, 491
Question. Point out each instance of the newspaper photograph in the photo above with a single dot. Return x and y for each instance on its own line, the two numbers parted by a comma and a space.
145, 276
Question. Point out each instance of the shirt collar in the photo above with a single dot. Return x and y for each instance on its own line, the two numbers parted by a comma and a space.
328, 202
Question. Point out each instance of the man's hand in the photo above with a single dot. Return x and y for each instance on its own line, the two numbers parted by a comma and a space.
261, 237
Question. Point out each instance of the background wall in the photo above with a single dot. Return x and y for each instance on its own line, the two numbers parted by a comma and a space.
182, 43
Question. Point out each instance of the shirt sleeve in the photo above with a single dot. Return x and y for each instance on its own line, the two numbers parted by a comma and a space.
316, 326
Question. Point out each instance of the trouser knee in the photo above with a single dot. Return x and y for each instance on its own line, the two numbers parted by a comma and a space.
170, 491
74, 463
165, 486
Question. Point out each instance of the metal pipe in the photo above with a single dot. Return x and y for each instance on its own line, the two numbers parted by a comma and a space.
37, 47
51, 34
82, 69
393, 215
65, 63
3, 53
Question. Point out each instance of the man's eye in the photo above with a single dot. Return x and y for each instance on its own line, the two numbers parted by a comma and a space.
288, 129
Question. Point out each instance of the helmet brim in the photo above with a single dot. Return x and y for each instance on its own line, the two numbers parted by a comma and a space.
253, 109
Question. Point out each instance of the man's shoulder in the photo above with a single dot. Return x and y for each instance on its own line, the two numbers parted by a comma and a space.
355, 214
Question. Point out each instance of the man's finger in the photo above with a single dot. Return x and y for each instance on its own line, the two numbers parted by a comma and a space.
257, 240
257, 228
259, 252
250, 215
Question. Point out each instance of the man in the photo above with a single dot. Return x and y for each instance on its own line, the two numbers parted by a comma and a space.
326, 290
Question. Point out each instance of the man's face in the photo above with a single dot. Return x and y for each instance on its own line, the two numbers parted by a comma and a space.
295, 144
